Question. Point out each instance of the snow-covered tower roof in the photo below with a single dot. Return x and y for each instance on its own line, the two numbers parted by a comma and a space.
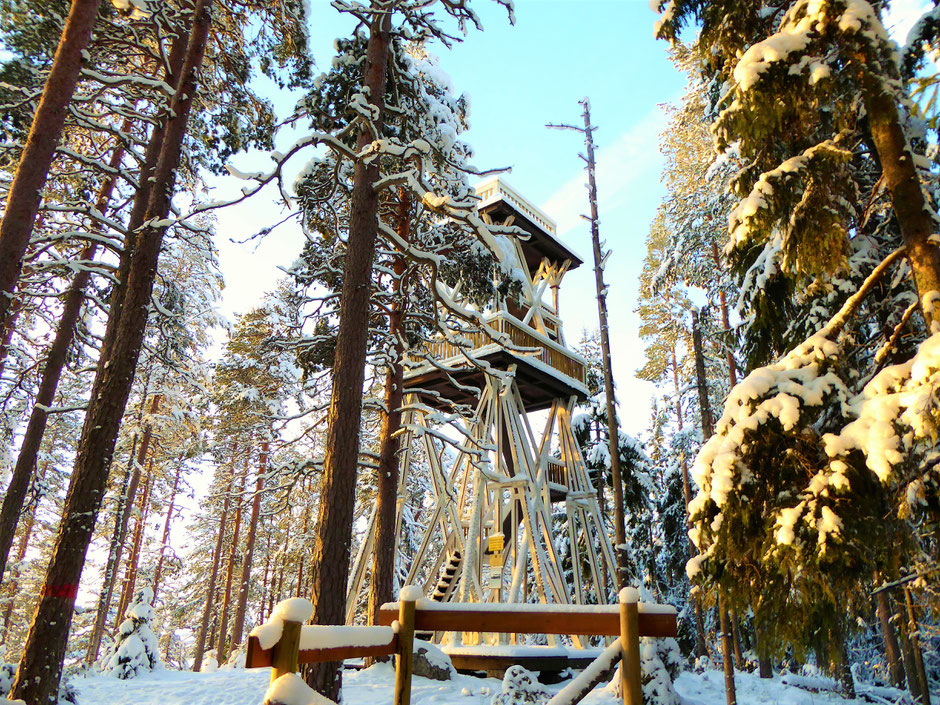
499, 201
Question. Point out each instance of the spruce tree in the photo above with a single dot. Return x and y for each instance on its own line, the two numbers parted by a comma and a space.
135, 648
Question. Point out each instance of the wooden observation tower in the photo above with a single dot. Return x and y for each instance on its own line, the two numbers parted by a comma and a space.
516, 487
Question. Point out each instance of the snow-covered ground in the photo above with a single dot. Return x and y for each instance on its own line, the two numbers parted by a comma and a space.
375, 686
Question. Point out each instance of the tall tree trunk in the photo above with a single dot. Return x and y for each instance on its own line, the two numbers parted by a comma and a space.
13, 586
910, 206
32, 171
52, 371
13, 313
701, 643
137, 458
892, 649
736, 640
230, 570
242, 606
707, 431
177, 56
330, 561
732, 381
840, 665
765, 667
300, 560
708, 428
265, 588
214, 572
133, 561
907, 654
913, 636
383, 547
40, 668
613, 428
166, 124
727, 649
165, 539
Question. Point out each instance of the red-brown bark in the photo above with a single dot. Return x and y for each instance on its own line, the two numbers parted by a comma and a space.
32, 171
907, 196
13, 586
383, 547
138, 456
229, 574
51, 373
40, 667
330, 562
133, 561
238, 624
214, 572
165, 540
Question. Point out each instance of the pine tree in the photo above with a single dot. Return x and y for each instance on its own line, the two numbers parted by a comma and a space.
135, 649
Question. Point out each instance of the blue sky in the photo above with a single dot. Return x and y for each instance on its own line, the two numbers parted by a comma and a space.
519, 78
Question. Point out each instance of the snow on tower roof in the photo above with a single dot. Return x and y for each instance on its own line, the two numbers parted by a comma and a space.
544, 238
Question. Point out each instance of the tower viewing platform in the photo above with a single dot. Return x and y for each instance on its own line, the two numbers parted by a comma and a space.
545, 368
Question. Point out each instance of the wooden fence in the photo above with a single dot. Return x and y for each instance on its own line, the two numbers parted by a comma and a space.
629, 621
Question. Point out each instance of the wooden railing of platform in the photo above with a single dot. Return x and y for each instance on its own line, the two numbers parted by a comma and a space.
629, 621
522, 336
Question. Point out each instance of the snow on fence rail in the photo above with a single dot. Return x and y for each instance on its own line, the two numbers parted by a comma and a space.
284, 642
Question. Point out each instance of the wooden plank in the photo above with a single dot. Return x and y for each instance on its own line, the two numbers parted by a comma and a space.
490, 662
544, 621
256, 657
341, 653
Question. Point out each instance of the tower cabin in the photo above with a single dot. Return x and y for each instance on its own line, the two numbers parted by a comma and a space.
545, 369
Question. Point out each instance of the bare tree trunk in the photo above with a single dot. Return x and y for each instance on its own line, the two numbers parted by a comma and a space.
177, 56
300, 561
330, 561
613, 427
765, 667
29, 181
13, 586
265, 588
736, 640
40, 668
907, 655
913, 636
13, 314
214, 572
230, 569
130, 570
383, 547
51, 373
892, 650
109, 578
165, 540
841, 667
138, 456
731, 697
910, 206
701, 644
242, 606
708, 428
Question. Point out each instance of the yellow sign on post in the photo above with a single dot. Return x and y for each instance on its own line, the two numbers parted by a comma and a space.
495, 546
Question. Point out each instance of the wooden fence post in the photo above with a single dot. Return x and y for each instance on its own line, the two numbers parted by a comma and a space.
406, 636
630, 684
286, 651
